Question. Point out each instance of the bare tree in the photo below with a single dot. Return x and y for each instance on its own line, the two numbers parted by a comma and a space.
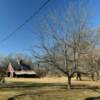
64, 39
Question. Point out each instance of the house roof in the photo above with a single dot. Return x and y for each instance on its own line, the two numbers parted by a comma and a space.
24, 72
23, 68
20, 69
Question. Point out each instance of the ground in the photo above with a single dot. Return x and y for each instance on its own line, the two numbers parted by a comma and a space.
49, 89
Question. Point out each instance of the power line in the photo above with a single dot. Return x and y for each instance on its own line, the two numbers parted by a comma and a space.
25, 22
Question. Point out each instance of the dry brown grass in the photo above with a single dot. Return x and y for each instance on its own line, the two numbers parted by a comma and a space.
39, 80
48, 89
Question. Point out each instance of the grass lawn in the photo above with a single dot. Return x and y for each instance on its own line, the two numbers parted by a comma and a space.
49, 89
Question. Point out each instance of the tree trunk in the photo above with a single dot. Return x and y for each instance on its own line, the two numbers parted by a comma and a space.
78, 76
97, 73
69, 83
92, 76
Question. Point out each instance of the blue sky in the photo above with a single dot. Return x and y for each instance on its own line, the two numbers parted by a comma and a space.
12, 14
15, 12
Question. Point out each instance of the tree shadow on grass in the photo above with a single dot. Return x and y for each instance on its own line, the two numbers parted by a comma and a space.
30, 85
93, 88
93, 98
38, 94
84, 87
14, 97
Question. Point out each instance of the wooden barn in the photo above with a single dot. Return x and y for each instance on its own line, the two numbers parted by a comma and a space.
23, 71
